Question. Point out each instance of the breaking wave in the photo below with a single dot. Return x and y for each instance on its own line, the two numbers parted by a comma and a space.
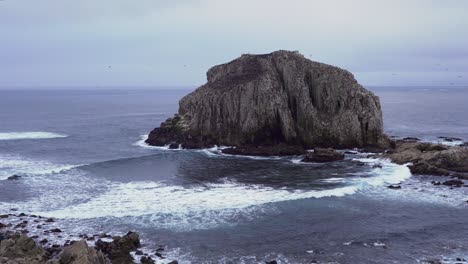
30, 135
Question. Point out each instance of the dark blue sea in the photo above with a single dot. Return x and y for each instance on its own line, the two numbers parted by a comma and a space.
82, 159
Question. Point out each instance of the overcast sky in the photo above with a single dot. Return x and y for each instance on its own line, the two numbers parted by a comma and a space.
174, 42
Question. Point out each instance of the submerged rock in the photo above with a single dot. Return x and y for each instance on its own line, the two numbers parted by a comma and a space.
411, 139
323, 155
276, 98
146, 260
450, 139
14, 178
454, 182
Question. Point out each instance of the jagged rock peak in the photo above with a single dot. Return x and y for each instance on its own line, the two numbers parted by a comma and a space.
277, 98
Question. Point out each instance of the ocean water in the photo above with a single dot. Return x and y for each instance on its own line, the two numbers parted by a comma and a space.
82, 158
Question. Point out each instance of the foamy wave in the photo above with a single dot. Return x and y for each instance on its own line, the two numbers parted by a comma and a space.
11, 164
143, 144
30, 135
448, 143
387, 173
212, 152
193, 207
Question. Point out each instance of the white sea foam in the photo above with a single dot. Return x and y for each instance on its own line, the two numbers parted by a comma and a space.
212, 152
13, 164
448, 143
389, 173
143, 144
30, 135
333, 180
180, 207
199, 207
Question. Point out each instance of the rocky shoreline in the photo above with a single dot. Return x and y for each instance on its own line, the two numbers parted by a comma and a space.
31, 239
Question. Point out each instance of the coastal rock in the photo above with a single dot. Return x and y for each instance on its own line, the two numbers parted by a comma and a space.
21, 249
431, 159
450, 139
454, 182
118, 251
276, 98
14, 178
414, 139
323, 155
278, 150
80, 253
146, 260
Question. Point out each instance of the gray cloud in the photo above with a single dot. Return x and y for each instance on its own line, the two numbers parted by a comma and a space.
62, 42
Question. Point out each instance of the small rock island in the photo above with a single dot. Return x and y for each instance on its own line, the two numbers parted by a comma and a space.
275, 104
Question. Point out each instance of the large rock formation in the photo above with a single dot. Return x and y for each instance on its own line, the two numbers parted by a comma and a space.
280, 98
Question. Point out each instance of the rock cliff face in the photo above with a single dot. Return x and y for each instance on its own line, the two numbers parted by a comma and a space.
277, 98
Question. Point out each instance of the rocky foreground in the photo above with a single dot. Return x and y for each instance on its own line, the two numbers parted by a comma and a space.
18, 246
275, 104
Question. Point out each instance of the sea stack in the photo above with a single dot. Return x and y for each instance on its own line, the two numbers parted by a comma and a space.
276, 100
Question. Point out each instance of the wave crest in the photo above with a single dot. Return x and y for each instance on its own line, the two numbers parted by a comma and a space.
30, 135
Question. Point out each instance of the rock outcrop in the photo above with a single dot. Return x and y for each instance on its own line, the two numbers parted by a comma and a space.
119, 249
80, 253
276, 98
21, 249
323, 155
431, 159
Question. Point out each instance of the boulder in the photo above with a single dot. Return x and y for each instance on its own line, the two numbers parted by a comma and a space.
423, 168
21, 249
118, 251
14, 178
147, 260
454, 182
323, 155
276, 98
80, 253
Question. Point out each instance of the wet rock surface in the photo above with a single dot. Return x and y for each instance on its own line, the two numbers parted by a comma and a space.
119, 249
431, 159
277, 150
323, 155
14, 178
81, 253
17, 246
271, 99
